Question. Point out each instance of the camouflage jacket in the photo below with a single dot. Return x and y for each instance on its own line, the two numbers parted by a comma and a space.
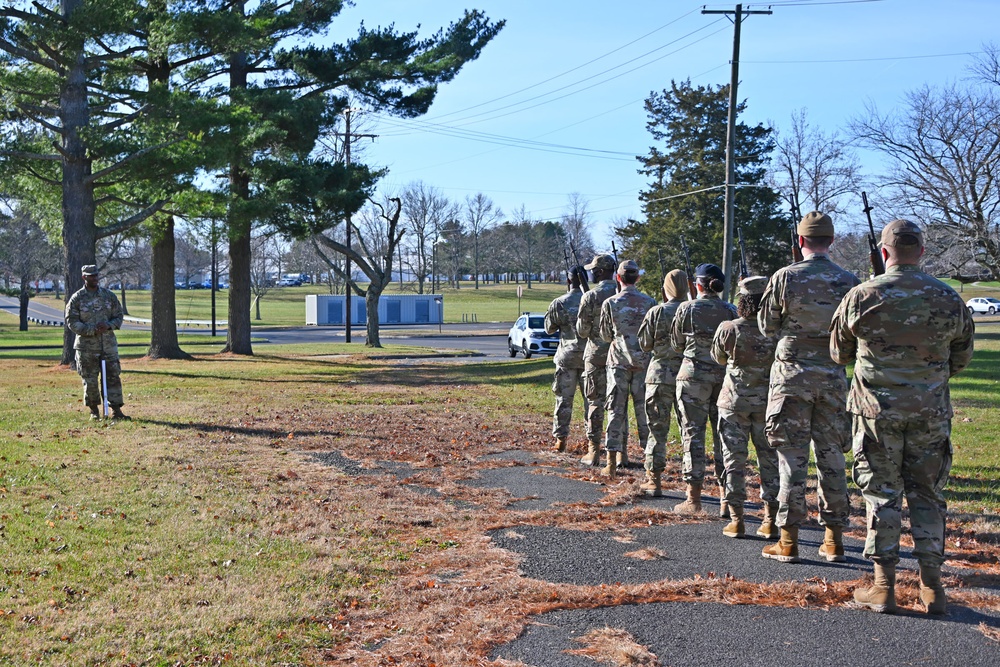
588, 323
692, 332
654, 337
907, 333
85, 310
797, 308
621, 317
561, 318
747, 355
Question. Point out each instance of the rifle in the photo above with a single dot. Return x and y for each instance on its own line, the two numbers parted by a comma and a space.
569, 270
692, 291
584, 285
744, 268
663, 274
614, 253
874, 254
796, 216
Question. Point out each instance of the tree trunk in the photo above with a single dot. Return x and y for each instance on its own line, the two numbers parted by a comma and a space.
371, 310
79, 233
124, 304
25, 296
163, 342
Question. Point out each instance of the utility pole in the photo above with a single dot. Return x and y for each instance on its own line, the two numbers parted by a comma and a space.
730, 208
347, 241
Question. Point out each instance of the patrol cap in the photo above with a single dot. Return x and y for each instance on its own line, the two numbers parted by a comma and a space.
628, 266
89, 269
902, 233
709, 271
815, 223
753, 285
606, 262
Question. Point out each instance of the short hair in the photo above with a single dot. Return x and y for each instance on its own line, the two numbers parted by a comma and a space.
748, 305
819, 241
630, 277
908, 254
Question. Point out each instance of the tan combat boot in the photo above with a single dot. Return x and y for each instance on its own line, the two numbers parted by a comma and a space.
693, 503
560, 444
593, 456
652, 486
832, 548
611, 470
881, 597
736, 527
932, 595
723, 503
768, 529
786, 549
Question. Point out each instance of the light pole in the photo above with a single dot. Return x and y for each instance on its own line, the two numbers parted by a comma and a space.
440, 303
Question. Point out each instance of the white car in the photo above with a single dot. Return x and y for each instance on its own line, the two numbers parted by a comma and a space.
983, 304
528, 336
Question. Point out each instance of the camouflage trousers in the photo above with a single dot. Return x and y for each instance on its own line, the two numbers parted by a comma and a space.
595, 389
897, 459
660, 398
696, 405
622, 384
88, 365
736, 430
564, 386
812, 411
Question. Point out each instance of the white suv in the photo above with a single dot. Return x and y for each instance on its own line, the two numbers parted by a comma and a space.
528, 336
984, 304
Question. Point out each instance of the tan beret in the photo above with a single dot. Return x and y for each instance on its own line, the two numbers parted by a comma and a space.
606, 262
902, 233
815, 223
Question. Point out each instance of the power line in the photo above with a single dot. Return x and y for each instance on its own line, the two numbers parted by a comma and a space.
860, 60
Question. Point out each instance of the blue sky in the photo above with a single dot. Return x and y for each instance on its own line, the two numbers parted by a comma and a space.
574, 74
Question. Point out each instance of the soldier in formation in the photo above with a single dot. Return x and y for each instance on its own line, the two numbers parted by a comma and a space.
561, 318
93, 314
699, 379
807, 395
907, 334
661, 377
747, 355
621, 316
595, 355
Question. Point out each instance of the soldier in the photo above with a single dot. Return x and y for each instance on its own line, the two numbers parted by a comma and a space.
699, 379
621, 316
595, 356
561, 318
661, 377
747, 355
93, 313
807, 396
907, 334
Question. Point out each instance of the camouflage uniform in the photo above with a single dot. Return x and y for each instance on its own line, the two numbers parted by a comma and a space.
84, 311
806, 399
908, 333
699, 380
621, 316
595, 356
561, 318
661, 376
747, 355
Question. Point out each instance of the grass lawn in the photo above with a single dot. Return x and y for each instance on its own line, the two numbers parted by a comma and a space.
208, 530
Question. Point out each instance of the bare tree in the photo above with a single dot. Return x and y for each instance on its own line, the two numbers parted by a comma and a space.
26, 254
576, 223
425, 210
479, 215
944, 146
263, 254
813, 169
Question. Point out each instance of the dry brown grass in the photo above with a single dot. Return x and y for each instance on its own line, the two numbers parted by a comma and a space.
615, 647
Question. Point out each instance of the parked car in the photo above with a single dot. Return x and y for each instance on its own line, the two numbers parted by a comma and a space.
983, 304
289, 282
528, 336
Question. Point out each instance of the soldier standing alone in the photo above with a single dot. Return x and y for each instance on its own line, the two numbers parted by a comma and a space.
93, 313
907, 334
621, 316
806, 401
595, 356
561, 318
661, 377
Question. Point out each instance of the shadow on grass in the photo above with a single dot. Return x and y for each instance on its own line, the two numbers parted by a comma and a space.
278, 434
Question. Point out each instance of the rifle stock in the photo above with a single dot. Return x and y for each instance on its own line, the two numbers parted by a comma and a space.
744, 267
692, 291
874, 253
796, 216
584, 285
663, 274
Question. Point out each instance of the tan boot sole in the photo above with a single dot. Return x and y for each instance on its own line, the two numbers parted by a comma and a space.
780, 557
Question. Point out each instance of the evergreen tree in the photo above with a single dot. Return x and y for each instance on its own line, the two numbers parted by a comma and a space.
686, 195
